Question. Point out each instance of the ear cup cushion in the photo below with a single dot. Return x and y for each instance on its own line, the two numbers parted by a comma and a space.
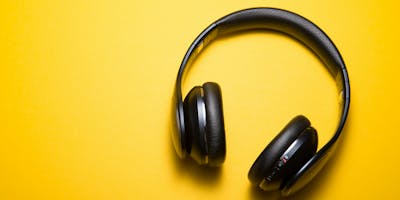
215, 129
276, 148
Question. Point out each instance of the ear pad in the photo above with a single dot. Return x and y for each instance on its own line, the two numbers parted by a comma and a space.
272, 163
215, 131
205, 125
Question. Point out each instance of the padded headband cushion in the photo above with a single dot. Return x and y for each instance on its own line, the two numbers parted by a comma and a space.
215, 124
276, 148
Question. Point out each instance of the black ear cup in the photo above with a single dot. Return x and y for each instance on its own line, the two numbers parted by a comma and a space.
205, 125
215, 129
194, 110
287, 152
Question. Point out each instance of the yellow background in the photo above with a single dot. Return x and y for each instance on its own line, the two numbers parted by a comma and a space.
86, 86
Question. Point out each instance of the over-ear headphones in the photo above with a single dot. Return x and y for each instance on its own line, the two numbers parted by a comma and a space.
290, 160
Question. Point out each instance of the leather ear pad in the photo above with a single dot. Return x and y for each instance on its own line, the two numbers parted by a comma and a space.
215, 130
276, 148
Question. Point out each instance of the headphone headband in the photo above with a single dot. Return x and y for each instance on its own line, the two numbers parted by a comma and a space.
295, 26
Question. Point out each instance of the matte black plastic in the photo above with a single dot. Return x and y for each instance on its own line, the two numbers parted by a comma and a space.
215, 129
276, 148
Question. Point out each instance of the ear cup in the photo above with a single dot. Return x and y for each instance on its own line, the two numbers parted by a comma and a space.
215, 130
271, 154
301, 151
294, 157
195, 122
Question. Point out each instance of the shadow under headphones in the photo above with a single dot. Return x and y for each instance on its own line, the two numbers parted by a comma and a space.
290, 161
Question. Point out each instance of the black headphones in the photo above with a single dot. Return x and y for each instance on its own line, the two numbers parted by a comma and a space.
290, 160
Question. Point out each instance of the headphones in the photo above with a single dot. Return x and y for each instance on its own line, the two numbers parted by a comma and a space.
290, 160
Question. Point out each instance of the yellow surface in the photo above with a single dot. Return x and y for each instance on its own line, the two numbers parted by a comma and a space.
86, 86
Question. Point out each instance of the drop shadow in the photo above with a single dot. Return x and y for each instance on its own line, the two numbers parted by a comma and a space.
256, 193
201, 175
308, 192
